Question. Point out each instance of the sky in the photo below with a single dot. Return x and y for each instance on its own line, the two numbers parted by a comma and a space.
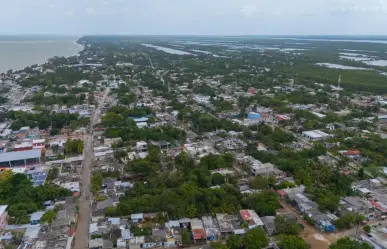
194, 17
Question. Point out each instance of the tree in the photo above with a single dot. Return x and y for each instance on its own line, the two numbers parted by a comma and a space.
286, 227
217, 179
96, 182
218, 245
255, 239
367, 228
361, 174
48, 216
292, 242
259, 182
348, 220
234, 242
265, 203
347, 243
74, 146
186, 238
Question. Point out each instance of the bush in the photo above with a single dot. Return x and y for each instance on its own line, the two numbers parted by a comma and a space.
367, 228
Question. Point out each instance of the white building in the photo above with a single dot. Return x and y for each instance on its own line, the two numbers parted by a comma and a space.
315, 135
141, 146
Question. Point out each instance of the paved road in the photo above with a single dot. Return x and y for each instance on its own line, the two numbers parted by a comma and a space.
82, 234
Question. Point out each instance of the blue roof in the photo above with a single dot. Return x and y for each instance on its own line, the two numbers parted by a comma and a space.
38, 178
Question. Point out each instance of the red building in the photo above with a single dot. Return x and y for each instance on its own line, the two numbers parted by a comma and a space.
23, 146
38, 143
252, 90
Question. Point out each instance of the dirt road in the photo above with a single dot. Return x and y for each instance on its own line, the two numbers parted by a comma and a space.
82, 233
310, 234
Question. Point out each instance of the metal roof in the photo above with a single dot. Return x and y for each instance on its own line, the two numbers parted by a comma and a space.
19, 155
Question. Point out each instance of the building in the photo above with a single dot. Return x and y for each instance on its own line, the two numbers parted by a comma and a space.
229, 224
38, 143
265, 169
3, 217
25, 145
269, 224
35, 218
315, 135
359, 205
141, 146
251, 218
197, 229
20, 158
211, 228
137, 218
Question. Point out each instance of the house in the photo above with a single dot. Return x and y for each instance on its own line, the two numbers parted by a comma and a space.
315, 135
229, 224
35, 218
330, 127
197, 229
125, 234
114, 221
269, 224
211, 228
359, 205
265, 169
96, 243
100, 207
3, 217
352, 153
141, 146
137, 218
251, 218
281, 193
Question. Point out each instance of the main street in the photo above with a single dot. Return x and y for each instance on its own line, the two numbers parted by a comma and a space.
82, 233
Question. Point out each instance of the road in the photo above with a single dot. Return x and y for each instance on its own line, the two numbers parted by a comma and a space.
82, 233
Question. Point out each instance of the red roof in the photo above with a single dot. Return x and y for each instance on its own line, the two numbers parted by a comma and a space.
245, 215
71, 232
352, 152
281, 192
199, 233
76, 194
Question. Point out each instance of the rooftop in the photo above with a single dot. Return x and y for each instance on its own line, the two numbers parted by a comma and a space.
19, 155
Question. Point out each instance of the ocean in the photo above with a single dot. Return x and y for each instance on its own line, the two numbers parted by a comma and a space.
18, 52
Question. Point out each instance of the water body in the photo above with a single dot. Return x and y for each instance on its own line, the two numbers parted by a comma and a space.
338, 66
168, 50
355, 58
379, 63
334, 40
19, 52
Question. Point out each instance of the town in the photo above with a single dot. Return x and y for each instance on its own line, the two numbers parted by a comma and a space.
179, 142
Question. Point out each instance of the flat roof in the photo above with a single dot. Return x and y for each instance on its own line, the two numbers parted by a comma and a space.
19, 155
315, 134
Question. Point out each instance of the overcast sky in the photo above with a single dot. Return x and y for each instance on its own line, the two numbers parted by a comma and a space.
194, 17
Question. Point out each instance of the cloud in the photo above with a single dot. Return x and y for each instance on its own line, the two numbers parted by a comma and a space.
195, 16
248, 10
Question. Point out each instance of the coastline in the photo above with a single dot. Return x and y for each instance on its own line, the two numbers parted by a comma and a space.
36, 51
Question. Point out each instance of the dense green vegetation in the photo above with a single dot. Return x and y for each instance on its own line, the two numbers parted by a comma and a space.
45, 120
186, 192
349, 220
292, 242
253, 239
348, 243
119, 124
22, 198
74, 146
